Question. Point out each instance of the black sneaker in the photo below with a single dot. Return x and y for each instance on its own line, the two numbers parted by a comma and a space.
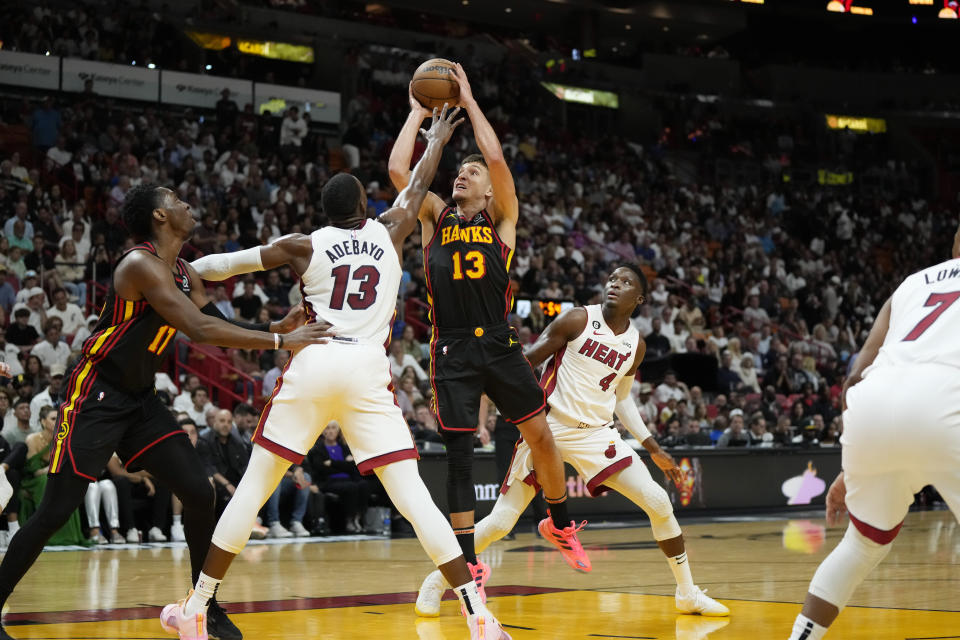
219, 625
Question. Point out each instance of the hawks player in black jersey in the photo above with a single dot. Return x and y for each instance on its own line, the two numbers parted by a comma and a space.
467, 250
111, 404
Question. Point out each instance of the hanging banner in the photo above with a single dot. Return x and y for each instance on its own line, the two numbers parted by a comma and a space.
114, 80
29, 70
196, 90
322, 106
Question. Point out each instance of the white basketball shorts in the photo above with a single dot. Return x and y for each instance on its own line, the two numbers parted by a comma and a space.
901, 431
346, 382
596, 452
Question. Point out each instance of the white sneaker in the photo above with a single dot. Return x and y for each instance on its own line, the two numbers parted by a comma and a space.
176, 533
297, 529
133, 536
6, 490
695, 600
277, 530
155, 535
430, 595
698, 628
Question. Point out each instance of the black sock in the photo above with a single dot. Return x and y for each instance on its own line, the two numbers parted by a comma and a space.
465, 539
558, 511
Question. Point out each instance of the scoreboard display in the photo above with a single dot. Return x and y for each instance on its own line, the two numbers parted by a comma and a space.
912, 10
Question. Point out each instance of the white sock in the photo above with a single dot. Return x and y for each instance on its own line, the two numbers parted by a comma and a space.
806, 629
177, 520
13, 527
681, 570
202, 594
469, 597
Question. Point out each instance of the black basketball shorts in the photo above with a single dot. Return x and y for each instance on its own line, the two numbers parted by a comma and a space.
98, 419
466, 363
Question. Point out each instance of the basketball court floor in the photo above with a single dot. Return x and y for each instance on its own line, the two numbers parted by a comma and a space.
364, 589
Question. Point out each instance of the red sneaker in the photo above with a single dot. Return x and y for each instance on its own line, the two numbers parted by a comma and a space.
566, 541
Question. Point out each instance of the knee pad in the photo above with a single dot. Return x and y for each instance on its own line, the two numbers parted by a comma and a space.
461, 495
846, 567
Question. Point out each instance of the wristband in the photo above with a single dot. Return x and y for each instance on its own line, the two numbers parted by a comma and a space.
276, 341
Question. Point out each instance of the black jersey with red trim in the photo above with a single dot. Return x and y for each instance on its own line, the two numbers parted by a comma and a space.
130, 342
467, 269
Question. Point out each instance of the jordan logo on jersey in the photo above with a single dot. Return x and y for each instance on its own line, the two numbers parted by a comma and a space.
603, 353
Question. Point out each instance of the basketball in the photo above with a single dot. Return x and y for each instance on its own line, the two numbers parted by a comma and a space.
434, 85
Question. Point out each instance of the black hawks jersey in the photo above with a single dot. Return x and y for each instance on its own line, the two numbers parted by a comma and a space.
131, 340
467, 268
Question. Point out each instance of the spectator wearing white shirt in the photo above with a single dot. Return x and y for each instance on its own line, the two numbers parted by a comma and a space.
58, 153
670, 388
755, 315
646, 405
222, 301
20, 214
69, 313
280, 358
185, 400
399, 360
48, 397
52, 351
84, 332
199, 406
293, 129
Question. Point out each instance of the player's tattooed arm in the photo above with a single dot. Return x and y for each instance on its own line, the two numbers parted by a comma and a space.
878, 333
565, 328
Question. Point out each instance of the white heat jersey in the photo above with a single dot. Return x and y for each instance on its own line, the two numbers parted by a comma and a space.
924, 319
353, 280
581, 379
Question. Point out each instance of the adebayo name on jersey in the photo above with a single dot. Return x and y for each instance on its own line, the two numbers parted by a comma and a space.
354, 248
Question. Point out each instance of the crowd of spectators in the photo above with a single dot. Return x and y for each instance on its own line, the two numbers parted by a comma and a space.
761, 293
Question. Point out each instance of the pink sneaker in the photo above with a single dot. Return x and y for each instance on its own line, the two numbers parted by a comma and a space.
480, 573
567, 542
486, 627
174, 621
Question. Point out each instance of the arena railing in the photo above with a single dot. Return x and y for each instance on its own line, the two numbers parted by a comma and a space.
227, 396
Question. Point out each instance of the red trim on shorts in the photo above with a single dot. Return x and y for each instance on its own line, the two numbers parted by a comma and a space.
531, 480
127, 464
367, 466
513, 456
84, 392
548, 381
870, 532
529, 415
435, 401
278, 449
266, 408
595, 485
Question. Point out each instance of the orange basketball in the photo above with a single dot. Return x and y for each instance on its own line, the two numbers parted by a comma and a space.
433, 84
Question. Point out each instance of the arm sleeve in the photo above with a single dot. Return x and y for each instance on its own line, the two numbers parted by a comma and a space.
220, 266
627, 411
211, 310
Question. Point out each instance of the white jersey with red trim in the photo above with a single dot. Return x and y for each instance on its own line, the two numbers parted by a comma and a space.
581, 379
924, 318
353, 280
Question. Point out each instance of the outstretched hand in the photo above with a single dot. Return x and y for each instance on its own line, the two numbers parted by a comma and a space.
442, 125
669, 466
466, 93
296, 317
415, 106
